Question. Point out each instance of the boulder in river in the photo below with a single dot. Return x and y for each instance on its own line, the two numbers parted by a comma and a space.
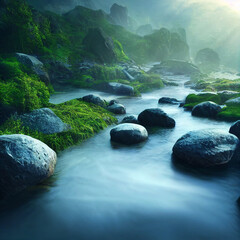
175, 67
95, 100
235, 129
155, 117
129, 133
117, 108
34, 64
116, 88
130, 119
167, 100
206, 148
206, 109
24, 162
44, 120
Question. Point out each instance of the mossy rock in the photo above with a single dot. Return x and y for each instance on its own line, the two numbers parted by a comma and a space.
230, 113
194, 99
85, 120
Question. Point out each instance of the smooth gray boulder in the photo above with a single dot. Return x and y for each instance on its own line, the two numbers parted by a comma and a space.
36, 65
155, 117
130, 119
117, 108
235, 129
129, 133
44, 120
116, 88
205, 148
24, 162
206, 109
167, 100
95, 100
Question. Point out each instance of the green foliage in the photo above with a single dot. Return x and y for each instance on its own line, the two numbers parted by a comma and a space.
193, 99
85, 119
231, 113
147, 82
118, 50
20, 90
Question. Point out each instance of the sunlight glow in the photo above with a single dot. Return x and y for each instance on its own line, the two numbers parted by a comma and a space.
235, 4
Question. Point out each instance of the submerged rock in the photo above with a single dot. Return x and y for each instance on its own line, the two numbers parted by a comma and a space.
36, 65
24, 162
44, 120
235, 129
167, 100
206, 109
129, 133
117, 108
130, 119
206, 148
95, 100
155, 117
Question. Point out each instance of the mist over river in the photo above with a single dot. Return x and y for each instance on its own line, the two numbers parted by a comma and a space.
106, 191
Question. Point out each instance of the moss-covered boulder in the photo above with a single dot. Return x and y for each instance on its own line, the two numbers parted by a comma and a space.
175, 67
207, 60
100, 45
194, 99
235, 102
227, 94
36, 65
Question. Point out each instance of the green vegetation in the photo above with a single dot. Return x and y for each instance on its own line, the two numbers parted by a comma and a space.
194, 99
229, 114
85, 119
20, 90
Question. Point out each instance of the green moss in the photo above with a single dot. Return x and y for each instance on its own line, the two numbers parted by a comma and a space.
118, 50
194, 99
20, 90
85, 119
230, 114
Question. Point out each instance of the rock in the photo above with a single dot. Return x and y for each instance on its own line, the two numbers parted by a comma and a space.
226, 95
59, 72
119, 15
205, 148
129, 133
112, 102
44, 120
116, 88
238, 201
36, 65
130, 119
99, 44
175, 67
235, 102
206, 109
235, 129
117, 108
167, 100
155, 117
144, 30
207, 60
95, 100
128, 75
24, 162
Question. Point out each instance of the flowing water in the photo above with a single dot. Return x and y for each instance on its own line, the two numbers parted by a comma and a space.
104, 191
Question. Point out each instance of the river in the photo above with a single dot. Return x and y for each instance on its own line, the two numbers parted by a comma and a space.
104, 191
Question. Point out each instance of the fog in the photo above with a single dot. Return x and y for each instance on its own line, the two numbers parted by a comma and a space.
209, 23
